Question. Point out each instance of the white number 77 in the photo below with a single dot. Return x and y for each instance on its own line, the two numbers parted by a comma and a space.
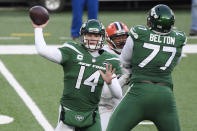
156, 49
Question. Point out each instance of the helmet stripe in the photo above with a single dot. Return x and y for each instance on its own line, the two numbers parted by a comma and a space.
118, 26
121, 26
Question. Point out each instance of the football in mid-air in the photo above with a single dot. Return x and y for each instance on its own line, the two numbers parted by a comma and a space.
39, 15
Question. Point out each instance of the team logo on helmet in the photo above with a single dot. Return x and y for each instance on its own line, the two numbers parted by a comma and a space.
161, 19
92, 27
153, 13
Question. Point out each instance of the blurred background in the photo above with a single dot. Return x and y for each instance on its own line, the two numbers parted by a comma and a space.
130, 12
62, 5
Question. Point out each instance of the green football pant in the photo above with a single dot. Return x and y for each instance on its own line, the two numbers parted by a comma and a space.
64, 127
95, 127
146, 102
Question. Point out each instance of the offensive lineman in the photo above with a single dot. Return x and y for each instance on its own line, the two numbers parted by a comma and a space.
153, 52
83, 65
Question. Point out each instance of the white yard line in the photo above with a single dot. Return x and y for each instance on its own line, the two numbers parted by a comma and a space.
65, 38
9, 38
190, 48
192, 37
19, 49
30, 49
19, 36
26, 98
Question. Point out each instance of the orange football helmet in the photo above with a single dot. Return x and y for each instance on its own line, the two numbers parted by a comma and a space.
117, 33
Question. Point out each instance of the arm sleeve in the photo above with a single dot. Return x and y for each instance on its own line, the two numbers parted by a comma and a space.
127, 52
125, 59
123, 80
116, 101
115, 88
50, 53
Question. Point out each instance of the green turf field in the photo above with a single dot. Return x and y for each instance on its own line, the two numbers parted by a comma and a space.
42, 79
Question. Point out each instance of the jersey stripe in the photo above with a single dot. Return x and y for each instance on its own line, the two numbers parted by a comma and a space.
72, 47
113, 59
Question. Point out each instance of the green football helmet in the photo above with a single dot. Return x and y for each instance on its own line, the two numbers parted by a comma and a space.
161, 19
92, 26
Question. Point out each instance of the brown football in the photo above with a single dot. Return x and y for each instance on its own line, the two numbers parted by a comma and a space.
39, 15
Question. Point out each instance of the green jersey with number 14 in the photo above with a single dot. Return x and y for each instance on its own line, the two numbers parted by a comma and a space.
155, 56
82, 80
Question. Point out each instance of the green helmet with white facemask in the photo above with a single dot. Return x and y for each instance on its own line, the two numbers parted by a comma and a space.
92, 27
161, 19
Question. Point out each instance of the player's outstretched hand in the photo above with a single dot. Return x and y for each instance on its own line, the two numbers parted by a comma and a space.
108, 75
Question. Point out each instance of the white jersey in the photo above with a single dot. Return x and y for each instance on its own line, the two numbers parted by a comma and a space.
107, 99
108, 102
107, 48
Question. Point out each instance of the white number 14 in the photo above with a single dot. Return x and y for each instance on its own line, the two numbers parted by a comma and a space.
91, 81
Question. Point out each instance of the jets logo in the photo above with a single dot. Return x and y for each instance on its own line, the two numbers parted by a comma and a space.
80, 57
93, 60
106, 63
79, 118
153, 13
135, 35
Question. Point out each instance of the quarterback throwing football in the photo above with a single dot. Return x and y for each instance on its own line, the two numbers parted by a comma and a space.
83, 65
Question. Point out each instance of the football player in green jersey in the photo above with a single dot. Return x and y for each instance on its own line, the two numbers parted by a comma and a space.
83, 65
152, 52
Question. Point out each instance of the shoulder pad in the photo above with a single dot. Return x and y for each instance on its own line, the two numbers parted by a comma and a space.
70, 43
181, 36
138, 30
72, 46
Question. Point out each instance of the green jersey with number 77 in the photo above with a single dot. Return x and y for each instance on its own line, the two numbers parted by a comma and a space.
151, 53
155, 56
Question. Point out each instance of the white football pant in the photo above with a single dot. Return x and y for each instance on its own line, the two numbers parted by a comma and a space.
61, 126
105, 114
